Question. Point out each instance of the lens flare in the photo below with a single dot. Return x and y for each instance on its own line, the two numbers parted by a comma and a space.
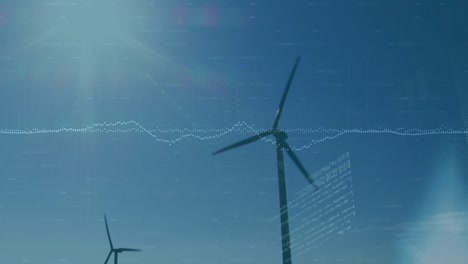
440, 234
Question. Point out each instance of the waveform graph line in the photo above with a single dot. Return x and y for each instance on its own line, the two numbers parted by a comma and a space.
172, 136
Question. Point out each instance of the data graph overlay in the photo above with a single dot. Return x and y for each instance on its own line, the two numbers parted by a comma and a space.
172, 136
317, 216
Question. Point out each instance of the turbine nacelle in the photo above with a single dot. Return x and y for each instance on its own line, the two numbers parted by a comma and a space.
280, 135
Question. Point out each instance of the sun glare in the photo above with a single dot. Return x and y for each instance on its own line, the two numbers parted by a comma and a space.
93, 23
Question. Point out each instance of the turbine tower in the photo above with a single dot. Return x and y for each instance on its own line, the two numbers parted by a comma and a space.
116, 251
281, 145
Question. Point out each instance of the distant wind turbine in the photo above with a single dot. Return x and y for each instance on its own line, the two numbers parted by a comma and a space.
281, 145
116, 251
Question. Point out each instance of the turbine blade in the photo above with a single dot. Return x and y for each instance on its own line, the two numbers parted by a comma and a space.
244, 142
285, 94
129, 249
108, 256
298, 163
108, 234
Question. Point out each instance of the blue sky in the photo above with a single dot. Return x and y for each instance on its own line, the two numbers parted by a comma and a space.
116, 106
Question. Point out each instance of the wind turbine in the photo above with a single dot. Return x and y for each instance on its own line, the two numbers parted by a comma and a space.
116, 251
281, 145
